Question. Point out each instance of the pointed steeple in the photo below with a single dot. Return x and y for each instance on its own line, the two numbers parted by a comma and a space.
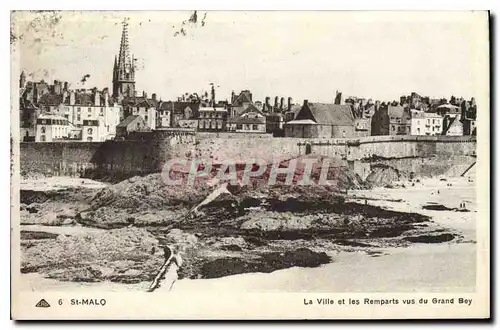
123, 70
124, 54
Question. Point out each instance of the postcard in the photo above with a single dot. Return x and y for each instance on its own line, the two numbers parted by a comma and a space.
250, 165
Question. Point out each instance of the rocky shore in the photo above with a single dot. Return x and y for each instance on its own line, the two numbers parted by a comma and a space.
222, 229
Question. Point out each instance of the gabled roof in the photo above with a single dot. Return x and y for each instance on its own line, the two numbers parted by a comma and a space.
327, 114
454, 121
127, 121
251, 108
244, 97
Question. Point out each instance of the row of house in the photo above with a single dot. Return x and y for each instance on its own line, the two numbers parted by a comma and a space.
54, 112
322, 120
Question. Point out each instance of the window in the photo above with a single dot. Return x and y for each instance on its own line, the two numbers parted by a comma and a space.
418, 122
89, 139
102, 112
146, 117
433, 121
89, 131
138, 125
393, 127
42, 138
239, 126
90, 109
428, 121
255, 127
43, 130
78, 118
418, 130
89, 115
78, 109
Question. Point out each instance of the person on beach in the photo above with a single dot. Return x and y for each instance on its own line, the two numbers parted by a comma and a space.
168, 272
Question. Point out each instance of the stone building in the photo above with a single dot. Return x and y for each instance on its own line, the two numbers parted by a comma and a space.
275, 124
212, 119
180, 111
239, 103
391, 119
251, 120
322, 120
130, 125
142, 106
51, 127
86, 105
425, 123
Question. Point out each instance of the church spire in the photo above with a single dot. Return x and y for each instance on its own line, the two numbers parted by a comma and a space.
124, 54
123, 70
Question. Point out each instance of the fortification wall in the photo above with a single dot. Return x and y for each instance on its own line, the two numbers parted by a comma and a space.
235, 146
56, 158
126, 158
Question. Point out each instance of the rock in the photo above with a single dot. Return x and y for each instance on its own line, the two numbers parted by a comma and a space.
436, 207
267, 263
36, 235
431, 238
97, 256
109, 218
66, 212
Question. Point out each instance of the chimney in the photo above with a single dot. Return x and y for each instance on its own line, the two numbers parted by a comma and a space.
276, 100
66, 85
22, 79
289, 104
377, 104
106, 97
232, 97
306, 102
72, 98
282, 103
338, 98
153, 96
144, 94
268, 99
97, 98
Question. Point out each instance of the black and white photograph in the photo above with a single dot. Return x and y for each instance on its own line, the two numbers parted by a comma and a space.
339, 157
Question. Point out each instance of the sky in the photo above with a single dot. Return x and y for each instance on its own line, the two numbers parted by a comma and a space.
304, 55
